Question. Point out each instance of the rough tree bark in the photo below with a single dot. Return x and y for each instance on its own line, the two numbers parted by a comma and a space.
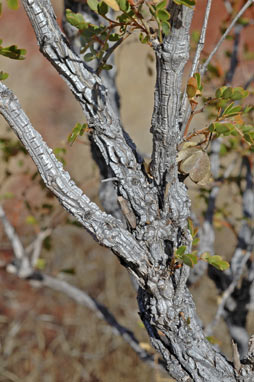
157, 204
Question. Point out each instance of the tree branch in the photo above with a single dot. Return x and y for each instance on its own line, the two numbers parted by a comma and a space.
225, 34
93, 97
107, 230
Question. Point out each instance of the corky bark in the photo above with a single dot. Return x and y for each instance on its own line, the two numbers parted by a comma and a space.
159, 202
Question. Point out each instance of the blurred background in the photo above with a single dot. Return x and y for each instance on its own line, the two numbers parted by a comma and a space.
44, 336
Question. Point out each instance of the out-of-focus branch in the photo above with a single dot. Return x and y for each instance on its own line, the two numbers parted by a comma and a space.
225, 34
21, 260
25, 269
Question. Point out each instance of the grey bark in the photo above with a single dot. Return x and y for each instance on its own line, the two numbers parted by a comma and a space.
159, 204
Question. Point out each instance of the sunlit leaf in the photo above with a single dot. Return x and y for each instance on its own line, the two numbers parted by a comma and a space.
13, 4
112, 4
3, 76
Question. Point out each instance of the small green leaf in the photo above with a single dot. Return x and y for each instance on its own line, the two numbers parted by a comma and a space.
187, 3
3, 76
107, 67
239, 93
75, 19
143, 39
102, 8
40, 264
180, 251
199, 83
162, 15
69, 271
31, 220
165, 27
114, 37
89, 57
228, 92
124, 5
190, 259
195, 241
93, 4
161, 5
231, 110
13, 4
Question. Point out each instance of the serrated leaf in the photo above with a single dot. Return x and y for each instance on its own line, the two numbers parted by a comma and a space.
13, 4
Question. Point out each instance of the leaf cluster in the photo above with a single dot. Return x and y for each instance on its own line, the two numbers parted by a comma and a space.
149, 18
190, 259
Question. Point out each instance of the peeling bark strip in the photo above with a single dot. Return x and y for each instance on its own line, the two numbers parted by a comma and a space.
157, 209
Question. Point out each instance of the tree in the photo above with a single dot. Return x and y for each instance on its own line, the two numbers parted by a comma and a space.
150, 233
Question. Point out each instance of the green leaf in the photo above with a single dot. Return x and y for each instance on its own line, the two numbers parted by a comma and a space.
75, 19
180, 251
161, 5
195, 241
231, 110
13, 52
143, 39
69, 271
1, 10
93, 4
187, 3
40, 264
220, 91
124, 5
31, 220
114, 37
102, 8
228, 92
199, 83
190, 259
239, 93
77, 130
3, 76
165, 27
89, 57
216, 261
107, 67
13, 4
162, 15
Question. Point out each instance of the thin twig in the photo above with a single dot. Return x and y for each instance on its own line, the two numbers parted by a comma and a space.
201, 39
22, 262
239, 14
